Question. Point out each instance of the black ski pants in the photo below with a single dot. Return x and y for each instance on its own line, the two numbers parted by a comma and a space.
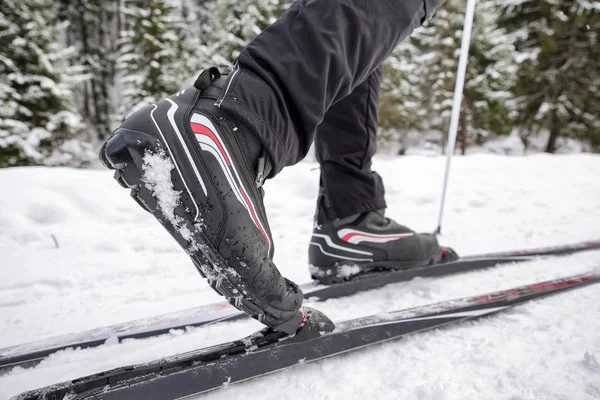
316, 71
345, 142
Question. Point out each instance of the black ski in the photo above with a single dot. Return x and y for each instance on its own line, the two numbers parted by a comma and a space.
30, 354
266, 352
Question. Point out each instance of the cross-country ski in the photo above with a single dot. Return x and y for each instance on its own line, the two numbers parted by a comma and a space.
269, 351
31, 353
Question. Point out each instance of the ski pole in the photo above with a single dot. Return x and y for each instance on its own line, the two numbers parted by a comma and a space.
458, 90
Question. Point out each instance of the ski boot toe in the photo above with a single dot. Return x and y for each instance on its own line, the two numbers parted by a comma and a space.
314, 324
448, 254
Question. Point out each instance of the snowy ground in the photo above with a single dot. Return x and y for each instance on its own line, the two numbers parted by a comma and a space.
115, 263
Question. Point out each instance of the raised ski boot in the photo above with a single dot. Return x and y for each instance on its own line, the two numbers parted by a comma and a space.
199, 170
343, 248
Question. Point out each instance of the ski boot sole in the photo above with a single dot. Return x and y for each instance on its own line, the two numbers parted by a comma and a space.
346, 270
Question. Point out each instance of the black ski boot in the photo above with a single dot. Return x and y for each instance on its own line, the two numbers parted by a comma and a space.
199, 170
343, 248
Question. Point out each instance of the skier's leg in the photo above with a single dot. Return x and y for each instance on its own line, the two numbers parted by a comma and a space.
313, 56
211, 141
345, 144
351, 233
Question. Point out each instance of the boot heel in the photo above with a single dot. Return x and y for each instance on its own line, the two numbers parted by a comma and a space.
124, 153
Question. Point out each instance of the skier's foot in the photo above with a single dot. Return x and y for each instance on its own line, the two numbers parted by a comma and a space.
199, 170
342, 248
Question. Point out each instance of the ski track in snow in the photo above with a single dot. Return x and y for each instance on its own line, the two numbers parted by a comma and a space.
115, 263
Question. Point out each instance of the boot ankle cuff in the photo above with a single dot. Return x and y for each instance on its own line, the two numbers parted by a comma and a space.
256, 103
343, 211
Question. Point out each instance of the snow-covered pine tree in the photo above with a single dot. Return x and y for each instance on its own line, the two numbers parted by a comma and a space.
231, 24
400, 108
558, 88
89, 34
159, 52
194, 55
491, 75
37, 122
484, 111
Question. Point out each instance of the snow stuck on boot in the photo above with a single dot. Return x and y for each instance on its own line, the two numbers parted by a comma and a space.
344, 271
157, 177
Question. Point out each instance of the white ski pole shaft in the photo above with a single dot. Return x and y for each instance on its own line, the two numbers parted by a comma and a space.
458, 91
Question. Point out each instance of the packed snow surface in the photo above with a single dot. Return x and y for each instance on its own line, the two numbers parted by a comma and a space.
77, 253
